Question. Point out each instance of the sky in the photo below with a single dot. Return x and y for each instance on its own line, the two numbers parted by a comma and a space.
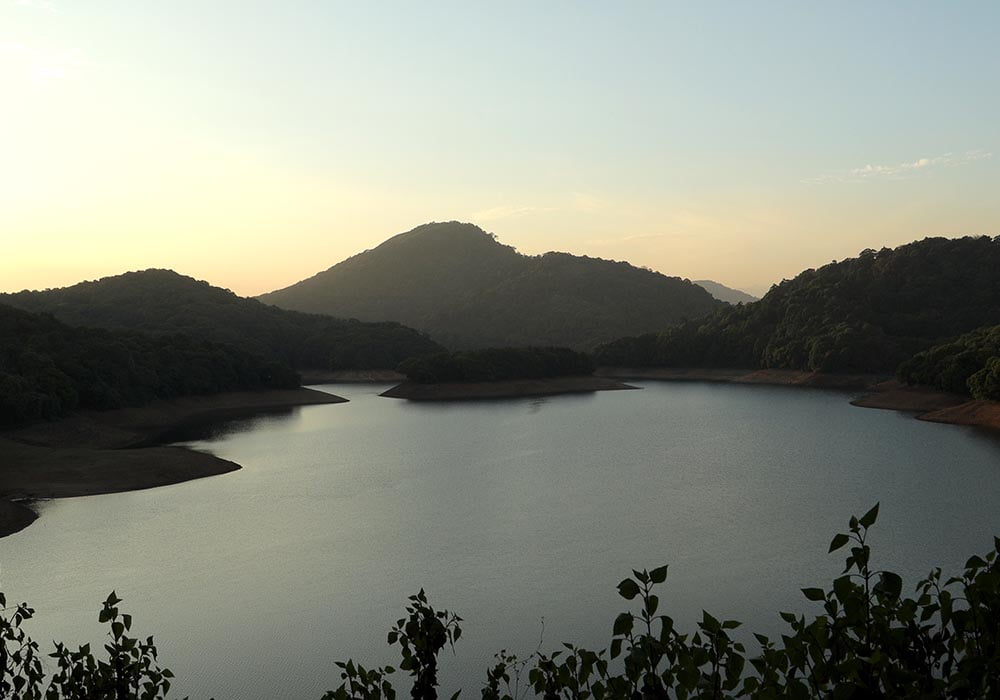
253, 144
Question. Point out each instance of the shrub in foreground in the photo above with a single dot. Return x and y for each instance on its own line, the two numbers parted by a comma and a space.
868, 641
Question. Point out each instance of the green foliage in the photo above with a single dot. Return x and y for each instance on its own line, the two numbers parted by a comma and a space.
163, 302
951, 366
865, 314
48, 369
456, 282
130, 671
985, 384
421, 636
869, 640
494, 364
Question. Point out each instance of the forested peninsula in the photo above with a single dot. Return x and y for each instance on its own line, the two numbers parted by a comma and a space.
499, 373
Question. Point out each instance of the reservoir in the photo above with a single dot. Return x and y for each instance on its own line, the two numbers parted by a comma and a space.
520, 515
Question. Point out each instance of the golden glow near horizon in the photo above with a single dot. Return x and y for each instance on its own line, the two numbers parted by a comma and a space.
252, 145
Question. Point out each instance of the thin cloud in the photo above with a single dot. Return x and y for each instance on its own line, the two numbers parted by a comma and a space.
899, 171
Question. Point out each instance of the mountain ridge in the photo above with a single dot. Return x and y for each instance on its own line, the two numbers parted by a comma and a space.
160, 301
466, 289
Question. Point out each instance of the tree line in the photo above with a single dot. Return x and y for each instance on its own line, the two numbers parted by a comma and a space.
866, 314
969, 364
49, 369
496, 364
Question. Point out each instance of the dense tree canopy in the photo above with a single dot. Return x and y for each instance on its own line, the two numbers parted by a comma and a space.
867, 314
164, 302
494, 364
967, 364
48, 369
456, 282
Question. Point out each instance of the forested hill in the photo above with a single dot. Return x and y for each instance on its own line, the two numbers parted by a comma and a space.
868, 313
726, 294
48, 369
456, 282
162, 301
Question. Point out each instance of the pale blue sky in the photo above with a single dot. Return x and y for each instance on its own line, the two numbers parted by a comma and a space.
723, 140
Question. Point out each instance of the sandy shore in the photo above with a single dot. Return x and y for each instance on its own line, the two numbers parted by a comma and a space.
455, 391
780, 377
111, 451
933, 405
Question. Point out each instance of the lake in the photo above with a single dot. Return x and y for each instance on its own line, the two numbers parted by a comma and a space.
508, 513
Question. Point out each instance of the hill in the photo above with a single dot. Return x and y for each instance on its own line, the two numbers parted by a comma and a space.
458, 283
48, 369
726, 294
162, 301
868, 314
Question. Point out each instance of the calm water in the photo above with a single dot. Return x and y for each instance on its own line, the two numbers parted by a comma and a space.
505, 512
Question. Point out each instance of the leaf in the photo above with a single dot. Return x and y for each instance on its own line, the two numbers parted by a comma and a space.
623, 624
869, 518
838, 541
974, 562
814, 594
658, 575
628, 589
892, 584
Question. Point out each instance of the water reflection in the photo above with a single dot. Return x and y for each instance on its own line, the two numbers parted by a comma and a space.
504, 511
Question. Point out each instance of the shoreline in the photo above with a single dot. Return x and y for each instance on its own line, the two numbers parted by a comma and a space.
507, 389
926, 403
97, 452
776, 377
933, 405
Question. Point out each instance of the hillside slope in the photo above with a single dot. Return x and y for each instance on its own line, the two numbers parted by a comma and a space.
456, 282
162, 301
726, 294
48, 369
866, 314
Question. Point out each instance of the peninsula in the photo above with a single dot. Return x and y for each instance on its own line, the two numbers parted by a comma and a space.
93, 452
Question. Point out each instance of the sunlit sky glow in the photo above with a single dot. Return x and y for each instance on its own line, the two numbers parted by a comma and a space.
252, 144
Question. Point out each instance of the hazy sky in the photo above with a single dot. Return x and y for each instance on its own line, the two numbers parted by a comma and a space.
255, 143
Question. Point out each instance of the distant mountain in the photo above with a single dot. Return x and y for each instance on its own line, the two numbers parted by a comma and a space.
868, 313
458, 283
726, 294
162, 301
48, 369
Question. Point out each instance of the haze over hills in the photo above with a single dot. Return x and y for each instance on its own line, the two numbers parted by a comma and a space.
868, 313
726, 294
459, 284
165, 302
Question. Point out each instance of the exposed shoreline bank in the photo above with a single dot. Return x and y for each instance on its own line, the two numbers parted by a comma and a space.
96, 452
933, 405
514, 388
927, 403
